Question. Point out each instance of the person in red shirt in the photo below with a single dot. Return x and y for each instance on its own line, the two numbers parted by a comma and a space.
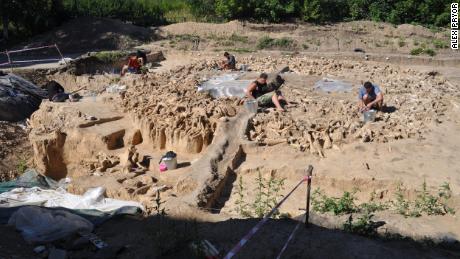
132, 67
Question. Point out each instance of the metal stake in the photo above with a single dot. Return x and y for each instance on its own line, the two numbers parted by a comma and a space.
307, 210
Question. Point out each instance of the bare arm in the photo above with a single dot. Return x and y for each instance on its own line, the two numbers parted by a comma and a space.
250, 89
378, 98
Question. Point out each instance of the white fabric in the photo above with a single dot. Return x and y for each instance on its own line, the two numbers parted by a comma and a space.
92, 199
38, 225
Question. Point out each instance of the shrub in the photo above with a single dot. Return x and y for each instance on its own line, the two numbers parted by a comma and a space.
269, 43
440, 44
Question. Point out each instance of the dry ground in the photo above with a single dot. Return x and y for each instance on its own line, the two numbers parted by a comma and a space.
414, 143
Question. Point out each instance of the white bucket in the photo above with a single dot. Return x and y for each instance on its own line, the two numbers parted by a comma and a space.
251, 105
170, 162
369, 116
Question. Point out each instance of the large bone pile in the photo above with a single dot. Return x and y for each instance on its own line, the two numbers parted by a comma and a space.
176, 114
319, 121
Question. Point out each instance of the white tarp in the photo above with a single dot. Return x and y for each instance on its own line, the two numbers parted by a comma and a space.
39, 225
92, 199
225, 85
332, 85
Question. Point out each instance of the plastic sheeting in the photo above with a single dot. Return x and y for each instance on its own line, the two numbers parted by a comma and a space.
92, 199
332, 85
31, 178
39, 225
225, 85
19, 98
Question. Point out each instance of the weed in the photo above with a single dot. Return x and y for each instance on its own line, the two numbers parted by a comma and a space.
159, 209
440, 44
430, 52
339, 206
305, 46
363, 226
270, 43
266, 198
401, 43
423, 50
238, 38
187, 37
425, 203
22, 165
110, 56
242, 206
401, 205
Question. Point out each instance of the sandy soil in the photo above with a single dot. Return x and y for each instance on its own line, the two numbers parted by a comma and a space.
411, 143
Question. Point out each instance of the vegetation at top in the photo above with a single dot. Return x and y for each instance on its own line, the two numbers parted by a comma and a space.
22, 19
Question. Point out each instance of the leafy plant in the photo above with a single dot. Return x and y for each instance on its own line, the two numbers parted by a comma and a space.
401, 43
425, 203
267, 193
339, 206
440, 44
267, 43
22, 165
242, 206
421, 50
364, 226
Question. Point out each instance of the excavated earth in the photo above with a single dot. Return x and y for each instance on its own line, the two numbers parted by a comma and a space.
115, 140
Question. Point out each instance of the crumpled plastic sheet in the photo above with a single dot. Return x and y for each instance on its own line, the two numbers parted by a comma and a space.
226, 85
39, 225
332, 85
93, 198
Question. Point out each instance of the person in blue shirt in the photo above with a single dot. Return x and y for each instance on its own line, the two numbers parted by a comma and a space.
370, 97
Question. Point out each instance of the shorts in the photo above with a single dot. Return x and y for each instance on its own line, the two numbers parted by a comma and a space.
132, 70
266, 99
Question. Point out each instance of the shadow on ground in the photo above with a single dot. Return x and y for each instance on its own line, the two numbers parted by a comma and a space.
163, 237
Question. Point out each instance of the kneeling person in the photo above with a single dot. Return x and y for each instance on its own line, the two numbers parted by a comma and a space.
370, 97
265, 96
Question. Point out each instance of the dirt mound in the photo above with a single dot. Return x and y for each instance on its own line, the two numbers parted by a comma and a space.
14, 150
92, 34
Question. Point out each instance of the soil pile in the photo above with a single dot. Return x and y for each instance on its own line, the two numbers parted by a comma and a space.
92, 34
14, 147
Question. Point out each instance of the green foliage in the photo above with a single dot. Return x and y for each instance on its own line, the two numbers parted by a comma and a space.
110, 56
242, 206
425, 202
267, 195
269, 43
339, 206
401, 43
422, 50
440, 44
363, 226
416, 51
22, 165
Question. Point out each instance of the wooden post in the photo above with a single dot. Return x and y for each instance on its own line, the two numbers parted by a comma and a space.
9, 60
62, 57
309, 172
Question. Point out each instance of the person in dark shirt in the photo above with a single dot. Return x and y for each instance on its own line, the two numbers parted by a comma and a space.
265, 94
229, 63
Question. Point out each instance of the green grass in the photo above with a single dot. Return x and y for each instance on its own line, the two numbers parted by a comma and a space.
422, 50
110, 56
270, 43
440, 44
401, 43
239, 38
